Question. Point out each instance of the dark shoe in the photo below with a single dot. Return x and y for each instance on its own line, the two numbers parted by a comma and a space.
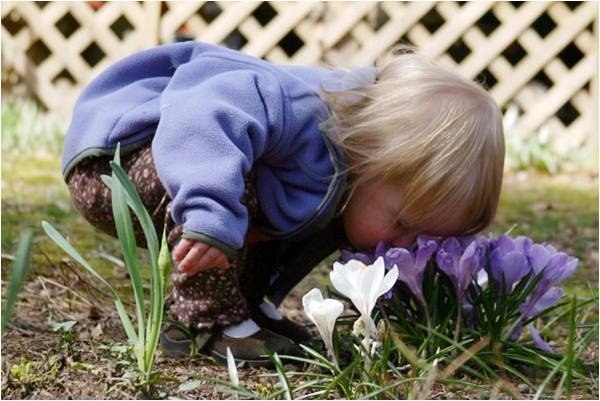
254, 349
178, 341
285, 327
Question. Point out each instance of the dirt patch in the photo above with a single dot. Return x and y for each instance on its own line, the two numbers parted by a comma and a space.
41, 360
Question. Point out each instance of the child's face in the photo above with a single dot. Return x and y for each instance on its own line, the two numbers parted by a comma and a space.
372, 216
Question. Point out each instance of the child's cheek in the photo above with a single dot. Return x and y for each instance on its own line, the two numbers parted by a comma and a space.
366, 235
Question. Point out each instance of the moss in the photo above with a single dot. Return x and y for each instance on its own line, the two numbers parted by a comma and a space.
33, 190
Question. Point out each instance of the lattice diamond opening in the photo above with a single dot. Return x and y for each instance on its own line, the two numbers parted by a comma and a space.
567, 114
38, 52
93, 54
487, 79
488, 23
13, 23
264, 13
459, 51
64, 76
381, 18
404, 40
543, 79
573, 4
432, 21
291, 43
516, 4
67, 25
543, 25
514, 53
121, 27
209, 11
570, 55
235, 40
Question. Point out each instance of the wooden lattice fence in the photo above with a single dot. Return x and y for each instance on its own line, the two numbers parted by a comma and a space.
538, 56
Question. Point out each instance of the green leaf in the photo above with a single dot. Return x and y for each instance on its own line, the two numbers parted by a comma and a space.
72, 252
126, 235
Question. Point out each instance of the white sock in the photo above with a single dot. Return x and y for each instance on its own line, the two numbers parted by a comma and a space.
241, 330
269, 309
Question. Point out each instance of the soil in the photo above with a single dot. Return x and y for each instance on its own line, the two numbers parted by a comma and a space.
87, 361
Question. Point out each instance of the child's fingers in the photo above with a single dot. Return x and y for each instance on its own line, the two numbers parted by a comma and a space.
202, 257
182, 248
190, 262
211, 258
220, 260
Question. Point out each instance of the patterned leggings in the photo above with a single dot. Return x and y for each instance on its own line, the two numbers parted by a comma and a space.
209, 298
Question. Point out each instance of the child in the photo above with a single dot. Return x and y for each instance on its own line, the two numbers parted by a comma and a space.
261, 171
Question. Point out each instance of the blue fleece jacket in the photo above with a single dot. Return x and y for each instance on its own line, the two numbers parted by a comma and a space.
213, 114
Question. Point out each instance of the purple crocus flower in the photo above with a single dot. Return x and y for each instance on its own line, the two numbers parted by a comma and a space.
540, 256
547, 300
558, 267
346, 256
380, 250
553, 267
510, 261
461, 260
412, 265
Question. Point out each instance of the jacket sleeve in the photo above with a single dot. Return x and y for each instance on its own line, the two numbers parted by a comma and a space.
217, 117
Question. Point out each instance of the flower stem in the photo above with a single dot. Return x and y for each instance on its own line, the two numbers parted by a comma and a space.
458, 323
333, 358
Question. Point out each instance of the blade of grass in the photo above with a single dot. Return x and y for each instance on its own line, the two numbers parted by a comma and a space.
548, 379
283, 379
570, 351
72, 252
19, 271
485, 368
464, 357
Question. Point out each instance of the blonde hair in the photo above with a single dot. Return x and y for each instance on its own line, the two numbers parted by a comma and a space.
427, 128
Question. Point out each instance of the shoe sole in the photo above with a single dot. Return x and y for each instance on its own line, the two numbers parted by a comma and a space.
176, 349
181, 350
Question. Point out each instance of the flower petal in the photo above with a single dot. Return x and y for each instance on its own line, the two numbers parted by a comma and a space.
537, 339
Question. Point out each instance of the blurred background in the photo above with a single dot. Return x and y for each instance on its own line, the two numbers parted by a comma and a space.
538, 59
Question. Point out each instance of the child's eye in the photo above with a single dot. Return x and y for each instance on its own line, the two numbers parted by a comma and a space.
404, 227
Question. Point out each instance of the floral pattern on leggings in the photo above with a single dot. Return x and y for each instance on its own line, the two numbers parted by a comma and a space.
209, 298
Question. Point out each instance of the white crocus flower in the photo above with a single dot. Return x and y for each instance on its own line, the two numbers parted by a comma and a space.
323, 313
363, 285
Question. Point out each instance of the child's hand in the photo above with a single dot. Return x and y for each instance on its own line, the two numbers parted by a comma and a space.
193, 256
